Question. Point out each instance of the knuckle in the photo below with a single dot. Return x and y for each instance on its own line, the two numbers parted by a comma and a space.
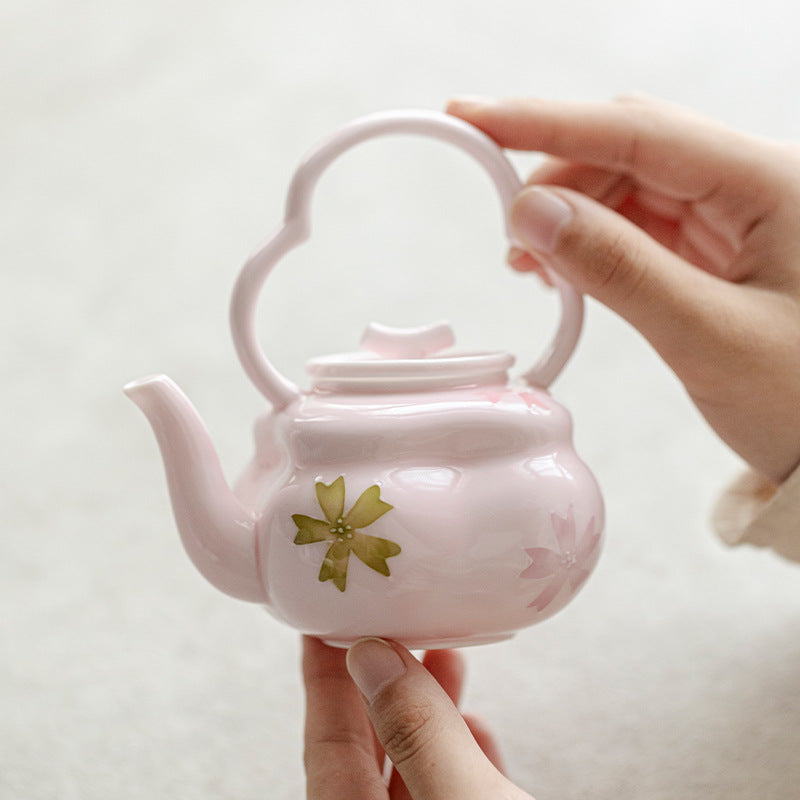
335, 744
413, 729
633, 119
334, 736
619, 267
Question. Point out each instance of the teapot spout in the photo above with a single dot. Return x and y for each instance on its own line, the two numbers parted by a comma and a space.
217, 531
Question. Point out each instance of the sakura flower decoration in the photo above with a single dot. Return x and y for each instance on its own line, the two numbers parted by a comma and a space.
567, 565
341, 532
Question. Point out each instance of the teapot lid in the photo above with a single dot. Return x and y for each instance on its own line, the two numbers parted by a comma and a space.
405, 359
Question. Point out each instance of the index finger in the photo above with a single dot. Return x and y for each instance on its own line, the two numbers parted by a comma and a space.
340, 756
662, 146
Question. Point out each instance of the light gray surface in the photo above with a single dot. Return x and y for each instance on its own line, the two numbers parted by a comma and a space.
146, 148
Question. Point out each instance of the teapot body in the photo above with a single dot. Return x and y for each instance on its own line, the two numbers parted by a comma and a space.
472, 514
412, 493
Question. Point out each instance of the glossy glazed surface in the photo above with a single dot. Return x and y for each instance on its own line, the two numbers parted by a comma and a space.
497, 521
413, 493
296, 228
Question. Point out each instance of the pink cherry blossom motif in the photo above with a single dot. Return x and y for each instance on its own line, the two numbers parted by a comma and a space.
565, 565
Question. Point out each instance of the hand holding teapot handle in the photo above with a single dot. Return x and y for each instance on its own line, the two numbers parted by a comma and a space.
685, 228
278, 389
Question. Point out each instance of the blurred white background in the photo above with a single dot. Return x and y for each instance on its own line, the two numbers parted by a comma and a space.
146, 148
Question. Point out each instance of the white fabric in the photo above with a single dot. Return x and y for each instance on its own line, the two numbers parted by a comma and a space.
145, 150
754, 511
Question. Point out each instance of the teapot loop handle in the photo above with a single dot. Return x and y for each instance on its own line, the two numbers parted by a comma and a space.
278, 389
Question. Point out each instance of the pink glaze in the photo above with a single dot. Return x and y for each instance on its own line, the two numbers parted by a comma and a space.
413, 492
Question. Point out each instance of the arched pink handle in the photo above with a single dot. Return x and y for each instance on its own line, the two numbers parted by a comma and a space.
279, 390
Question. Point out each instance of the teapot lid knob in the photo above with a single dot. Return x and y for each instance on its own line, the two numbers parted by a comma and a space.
389, 342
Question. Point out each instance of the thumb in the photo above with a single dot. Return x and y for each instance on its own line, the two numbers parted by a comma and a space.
671, 302
420, 729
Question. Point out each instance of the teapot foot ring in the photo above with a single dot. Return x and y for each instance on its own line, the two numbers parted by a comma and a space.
431, 643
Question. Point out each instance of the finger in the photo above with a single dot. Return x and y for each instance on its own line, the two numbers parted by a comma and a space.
483, 737
661, 145
606, 186
686, 235
721, 338
733, 180
522, 261
671, 222
447, 667
340, 756
486, 741
677, 307
421, 730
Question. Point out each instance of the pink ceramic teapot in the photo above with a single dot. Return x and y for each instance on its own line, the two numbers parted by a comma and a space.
412, 492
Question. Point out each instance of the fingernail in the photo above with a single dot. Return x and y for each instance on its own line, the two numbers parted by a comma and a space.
373, 664
538, 216
470, 102
521, 260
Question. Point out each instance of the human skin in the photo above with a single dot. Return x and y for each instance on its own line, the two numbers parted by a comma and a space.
376, 701
685, 228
